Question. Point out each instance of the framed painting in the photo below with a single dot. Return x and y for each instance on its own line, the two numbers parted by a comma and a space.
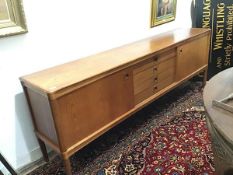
12, 20
162, 11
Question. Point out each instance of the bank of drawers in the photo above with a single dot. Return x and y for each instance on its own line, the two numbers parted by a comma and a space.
153, 75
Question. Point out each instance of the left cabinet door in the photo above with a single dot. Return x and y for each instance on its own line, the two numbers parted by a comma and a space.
94, 108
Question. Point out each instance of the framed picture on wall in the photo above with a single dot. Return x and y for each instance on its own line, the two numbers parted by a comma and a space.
12, 20
162, 11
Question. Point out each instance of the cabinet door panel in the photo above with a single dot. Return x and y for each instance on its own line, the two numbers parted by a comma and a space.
88, 109
192, 56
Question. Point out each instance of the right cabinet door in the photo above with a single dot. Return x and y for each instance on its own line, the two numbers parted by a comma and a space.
192, 56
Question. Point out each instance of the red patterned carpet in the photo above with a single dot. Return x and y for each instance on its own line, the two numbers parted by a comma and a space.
169, 137
179, 147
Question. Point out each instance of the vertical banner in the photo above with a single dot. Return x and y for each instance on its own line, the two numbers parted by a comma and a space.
218, 16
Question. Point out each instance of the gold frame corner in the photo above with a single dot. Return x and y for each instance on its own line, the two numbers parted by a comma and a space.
158, 20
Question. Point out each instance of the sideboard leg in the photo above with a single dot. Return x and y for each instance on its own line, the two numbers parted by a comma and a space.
204, 77
68, 167
43, 150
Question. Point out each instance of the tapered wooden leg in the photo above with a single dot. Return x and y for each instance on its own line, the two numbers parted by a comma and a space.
43, 150
204, 77
68, 167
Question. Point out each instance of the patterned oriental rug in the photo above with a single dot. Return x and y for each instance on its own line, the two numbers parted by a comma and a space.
169, 137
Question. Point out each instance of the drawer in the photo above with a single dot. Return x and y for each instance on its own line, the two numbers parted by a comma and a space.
144, 94
142, 85
166, 77
144, 75
165, 82
166, 74
153, 75
166, 55
144, 79
166, 65
144, 66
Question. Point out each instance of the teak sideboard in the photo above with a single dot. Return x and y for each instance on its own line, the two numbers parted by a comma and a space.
74, 103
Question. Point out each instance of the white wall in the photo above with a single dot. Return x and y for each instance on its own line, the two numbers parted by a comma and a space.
61, 31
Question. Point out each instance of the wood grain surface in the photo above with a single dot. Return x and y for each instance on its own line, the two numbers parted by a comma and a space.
96, 66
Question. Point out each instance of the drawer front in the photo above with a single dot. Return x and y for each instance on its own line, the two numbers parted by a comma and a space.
153, 75
144, 66
143, 85
144, 77
165, 82
145, 94
166, 55
166, 65
166, 74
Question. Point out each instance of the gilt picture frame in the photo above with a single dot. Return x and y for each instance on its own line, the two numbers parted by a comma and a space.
162, 11
12, 19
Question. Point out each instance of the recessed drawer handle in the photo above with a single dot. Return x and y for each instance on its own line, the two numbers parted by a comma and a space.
155, 87
181, 50
156, 59
155, 68
156, 79
127, 76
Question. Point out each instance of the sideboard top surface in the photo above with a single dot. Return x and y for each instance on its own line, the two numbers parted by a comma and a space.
77, 72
